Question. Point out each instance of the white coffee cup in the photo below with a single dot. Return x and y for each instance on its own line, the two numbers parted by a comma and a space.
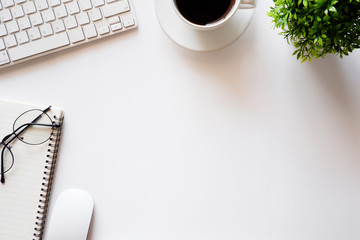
234, 6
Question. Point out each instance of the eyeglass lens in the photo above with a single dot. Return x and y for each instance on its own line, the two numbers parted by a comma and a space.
34, 134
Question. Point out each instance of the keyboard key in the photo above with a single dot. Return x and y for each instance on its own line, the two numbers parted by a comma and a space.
54, 3
24, 23
116, 27
129, 22
5, 15
76, 35
48, 15
115, 8
29, 7
41, 4
22, 37
4, 58
8, 3
73, 8
17, 11
3, 30
34, 33
102, 29
60, 11
2, 44
12, 27
39, 46
85, 4
58, 26
36, 19
83, 18
46, 30
98, 3
114, 19
95, 14
10, 41
90, 31
70, 22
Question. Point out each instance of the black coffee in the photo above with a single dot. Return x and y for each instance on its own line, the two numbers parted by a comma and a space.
203, 12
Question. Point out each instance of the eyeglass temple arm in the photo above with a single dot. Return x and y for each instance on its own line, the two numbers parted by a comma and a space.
2, 164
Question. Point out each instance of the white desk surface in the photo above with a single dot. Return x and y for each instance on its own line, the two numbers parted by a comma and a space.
242, 143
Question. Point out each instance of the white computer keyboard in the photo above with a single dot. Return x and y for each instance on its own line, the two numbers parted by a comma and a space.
32, 28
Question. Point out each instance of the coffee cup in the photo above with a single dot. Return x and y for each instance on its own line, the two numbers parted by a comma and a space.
209, 14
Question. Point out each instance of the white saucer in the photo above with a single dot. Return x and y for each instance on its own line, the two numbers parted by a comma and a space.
198, 40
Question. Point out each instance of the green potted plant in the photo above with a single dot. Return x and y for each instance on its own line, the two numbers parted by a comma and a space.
318, 27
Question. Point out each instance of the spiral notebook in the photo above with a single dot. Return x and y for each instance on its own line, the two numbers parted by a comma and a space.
28, 166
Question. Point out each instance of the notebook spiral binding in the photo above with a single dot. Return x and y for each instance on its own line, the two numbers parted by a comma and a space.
47, 180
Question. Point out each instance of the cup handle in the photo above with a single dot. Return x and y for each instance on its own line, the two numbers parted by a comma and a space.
247, 4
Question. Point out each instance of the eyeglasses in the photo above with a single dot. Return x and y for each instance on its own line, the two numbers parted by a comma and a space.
33, 127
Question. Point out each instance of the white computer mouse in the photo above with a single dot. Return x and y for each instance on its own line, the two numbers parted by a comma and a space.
71, 216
